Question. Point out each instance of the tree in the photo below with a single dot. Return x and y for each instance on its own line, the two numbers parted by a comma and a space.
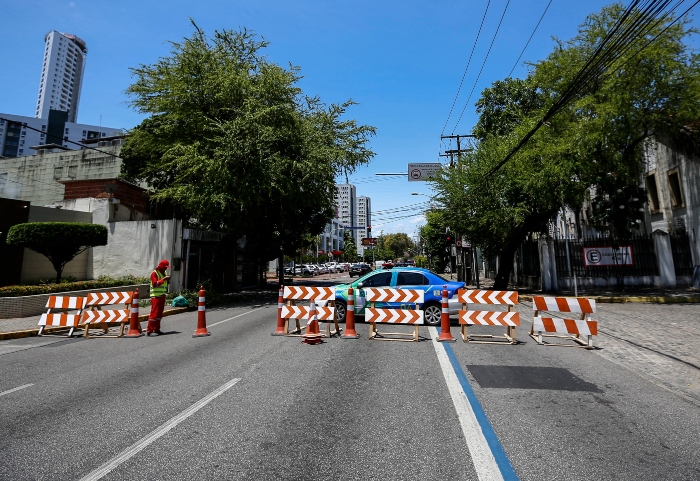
398, 244
591, 149
236, 146
349, 247
432, 236
60, 242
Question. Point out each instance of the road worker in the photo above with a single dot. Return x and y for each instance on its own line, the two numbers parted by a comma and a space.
159, 288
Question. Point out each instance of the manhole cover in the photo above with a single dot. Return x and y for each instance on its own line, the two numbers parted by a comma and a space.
528, 377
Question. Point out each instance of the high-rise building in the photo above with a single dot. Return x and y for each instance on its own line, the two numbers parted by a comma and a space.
61, 75
345, 205
364, 222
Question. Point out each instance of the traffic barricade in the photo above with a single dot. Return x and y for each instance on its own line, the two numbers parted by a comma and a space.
94, 317
509, 319
570, 329
327, 314
385, 315
59, 315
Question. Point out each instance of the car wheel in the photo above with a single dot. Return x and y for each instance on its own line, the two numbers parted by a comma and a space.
341, 310
432, 314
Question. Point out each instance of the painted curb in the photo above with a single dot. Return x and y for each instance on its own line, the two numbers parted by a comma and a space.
34, 332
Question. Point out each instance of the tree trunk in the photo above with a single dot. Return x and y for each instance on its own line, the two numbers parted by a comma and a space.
505, 267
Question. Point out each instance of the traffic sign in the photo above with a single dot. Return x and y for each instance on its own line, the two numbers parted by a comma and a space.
422, 172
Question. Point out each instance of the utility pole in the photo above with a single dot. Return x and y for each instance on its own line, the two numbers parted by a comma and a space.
451, 153
460, 250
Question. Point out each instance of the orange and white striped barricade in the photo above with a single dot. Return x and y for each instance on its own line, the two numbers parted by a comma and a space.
94, 317
384, 315
327, 314
571, 329
509, 319
59, 315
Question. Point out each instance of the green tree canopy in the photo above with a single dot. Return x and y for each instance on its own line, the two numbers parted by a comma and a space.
591, 149
60, 242
233, 142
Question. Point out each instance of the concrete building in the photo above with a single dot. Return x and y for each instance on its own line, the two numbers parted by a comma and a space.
332, 242
21, 136
364, 222
61, 75
345, 205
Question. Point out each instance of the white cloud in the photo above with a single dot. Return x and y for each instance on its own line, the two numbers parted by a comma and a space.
417, 219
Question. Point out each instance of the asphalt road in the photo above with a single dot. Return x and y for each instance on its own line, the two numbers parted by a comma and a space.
242, 404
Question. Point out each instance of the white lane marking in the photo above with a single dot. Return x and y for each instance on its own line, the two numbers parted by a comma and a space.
15, 389
234, 317
157, 433
482, 457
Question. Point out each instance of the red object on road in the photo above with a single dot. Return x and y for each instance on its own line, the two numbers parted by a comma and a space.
313, 331
134, 324
201, 316
350, 332
280, 322
445, 334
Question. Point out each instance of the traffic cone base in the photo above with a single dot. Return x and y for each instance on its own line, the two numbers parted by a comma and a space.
312, 334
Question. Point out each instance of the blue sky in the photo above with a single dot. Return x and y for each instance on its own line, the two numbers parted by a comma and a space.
402, 61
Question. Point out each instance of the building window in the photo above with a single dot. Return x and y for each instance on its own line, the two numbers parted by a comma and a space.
674, 183
653, 193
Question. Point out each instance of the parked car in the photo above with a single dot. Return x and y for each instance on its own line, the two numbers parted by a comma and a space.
304, 270
359, 269
402, 278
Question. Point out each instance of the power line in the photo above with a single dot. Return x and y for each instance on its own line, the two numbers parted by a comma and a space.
466, 68
529, 39
482, 66
617, 40
61, 138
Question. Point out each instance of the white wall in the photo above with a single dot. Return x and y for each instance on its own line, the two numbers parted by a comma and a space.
135, 248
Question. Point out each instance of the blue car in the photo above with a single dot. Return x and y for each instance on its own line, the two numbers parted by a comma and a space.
401, 278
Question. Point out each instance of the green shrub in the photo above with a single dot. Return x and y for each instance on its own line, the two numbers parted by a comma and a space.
102, 282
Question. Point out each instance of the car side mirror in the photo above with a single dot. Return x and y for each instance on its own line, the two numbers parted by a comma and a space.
359, 285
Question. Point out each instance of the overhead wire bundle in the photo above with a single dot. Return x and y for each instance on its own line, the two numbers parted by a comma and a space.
640, 17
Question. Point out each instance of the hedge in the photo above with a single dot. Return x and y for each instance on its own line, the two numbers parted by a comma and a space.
16, 291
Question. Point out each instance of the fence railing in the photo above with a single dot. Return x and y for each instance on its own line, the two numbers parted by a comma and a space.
682, 257
643, 257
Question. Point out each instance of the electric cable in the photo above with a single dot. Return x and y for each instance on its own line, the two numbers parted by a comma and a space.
482, 67
60, 138
466, 68
529, 39
610, 49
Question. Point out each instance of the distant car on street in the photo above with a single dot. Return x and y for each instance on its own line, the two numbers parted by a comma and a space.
359, 269
402, 278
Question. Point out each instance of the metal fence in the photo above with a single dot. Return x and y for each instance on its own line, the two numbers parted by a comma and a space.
528, 258
643, 254
682, 257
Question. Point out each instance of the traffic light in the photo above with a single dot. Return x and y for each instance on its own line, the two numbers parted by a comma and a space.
448, 236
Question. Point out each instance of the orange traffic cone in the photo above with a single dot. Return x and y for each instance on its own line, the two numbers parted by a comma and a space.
350, 332
134, 324
313, 332
445, 334
201, 315
280, 331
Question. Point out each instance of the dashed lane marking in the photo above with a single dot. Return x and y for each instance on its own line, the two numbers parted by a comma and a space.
142, 443
15, 389
234, 317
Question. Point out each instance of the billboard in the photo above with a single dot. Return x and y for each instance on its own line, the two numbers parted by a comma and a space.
422, 172
369, 241
607, 256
